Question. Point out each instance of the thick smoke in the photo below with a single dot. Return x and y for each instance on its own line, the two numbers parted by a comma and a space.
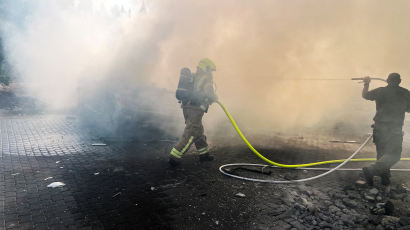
121, 52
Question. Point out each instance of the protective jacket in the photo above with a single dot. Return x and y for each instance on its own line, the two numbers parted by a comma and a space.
392, 102
193, 109
203, 92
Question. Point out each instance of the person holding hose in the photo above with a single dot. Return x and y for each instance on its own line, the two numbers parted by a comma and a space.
198, 93
392, 102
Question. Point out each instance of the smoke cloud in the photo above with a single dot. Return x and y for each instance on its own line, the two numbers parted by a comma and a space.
66, 51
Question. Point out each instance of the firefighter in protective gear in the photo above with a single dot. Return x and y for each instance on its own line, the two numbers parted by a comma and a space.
392, 102
203, 95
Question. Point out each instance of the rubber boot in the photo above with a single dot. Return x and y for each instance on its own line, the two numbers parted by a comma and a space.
205, 157
368, 176
173, 162
385, 176
389, 208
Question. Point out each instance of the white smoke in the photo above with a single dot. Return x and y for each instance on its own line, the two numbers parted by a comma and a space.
62, 47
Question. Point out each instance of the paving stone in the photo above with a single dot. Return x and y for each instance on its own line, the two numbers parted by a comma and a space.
350, 203
282, 225
34, 145
297, 225
27, 202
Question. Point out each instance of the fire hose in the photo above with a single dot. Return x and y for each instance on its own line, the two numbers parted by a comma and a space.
294, 166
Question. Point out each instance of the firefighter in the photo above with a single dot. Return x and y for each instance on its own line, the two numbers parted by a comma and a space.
202, 96
392, 102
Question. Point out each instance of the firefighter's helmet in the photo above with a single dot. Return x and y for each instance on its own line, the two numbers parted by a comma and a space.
206, 65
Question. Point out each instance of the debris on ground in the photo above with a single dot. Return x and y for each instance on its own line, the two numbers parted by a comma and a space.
378, 209
175, 184
373, 191
16, 104
163, 199
389, 222
369, 197
116, 194
56, 185
360, 182
99, 144
239, 194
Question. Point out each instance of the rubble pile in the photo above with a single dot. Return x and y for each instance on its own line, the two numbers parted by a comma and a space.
13, 104
358, 206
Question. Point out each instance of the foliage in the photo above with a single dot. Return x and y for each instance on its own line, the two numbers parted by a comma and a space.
4, 73
4, 76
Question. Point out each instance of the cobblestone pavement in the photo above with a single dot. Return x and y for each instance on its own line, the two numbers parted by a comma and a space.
118, 186
130, 187
34, 153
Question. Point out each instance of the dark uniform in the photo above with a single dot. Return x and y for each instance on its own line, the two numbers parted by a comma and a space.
392, 102
193, 111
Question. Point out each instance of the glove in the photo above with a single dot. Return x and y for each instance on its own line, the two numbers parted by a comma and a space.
366, 80
213, 99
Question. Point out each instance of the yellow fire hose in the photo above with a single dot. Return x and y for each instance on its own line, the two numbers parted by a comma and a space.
343, 161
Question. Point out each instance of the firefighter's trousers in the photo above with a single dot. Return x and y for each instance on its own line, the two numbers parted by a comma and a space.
193, 133
388, 139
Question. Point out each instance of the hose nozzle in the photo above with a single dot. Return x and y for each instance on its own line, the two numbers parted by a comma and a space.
372, 78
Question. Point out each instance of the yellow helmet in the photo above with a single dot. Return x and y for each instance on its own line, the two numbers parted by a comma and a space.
205, 64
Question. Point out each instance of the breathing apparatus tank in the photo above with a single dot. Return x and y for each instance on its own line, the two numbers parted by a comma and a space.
185, 86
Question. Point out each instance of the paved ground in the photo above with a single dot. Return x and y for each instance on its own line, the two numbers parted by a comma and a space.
35, 152
119, 186
129, 186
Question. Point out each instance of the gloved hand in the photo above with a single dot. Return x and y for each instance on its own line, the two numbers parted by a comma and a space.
366, 80
213, 99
